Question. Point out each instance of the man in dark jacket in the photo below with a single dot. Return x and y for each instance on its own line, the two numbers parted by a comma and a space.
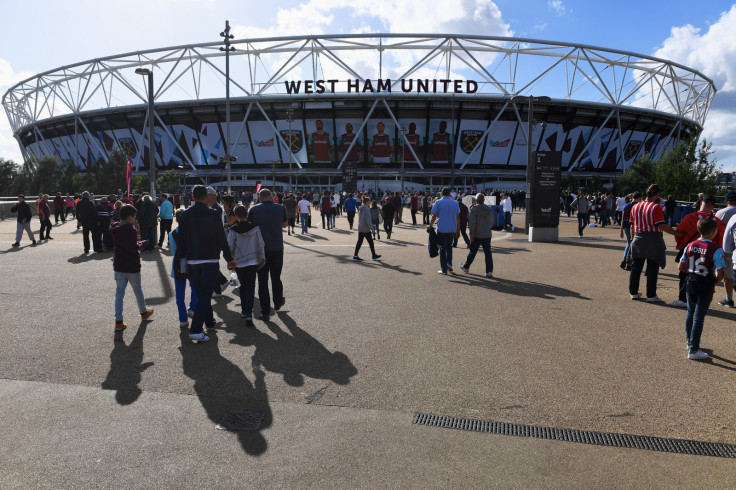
271, 219
24, 220
87, 216
147, 219
59, 209
201, 239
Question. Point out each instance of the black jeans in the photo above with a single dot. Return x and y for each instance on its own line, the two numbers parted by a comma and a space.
45, 225
272, 269
164, 229
464, 233
388, 226
369, 238
86, 231
351, 218
413, 217
59, 213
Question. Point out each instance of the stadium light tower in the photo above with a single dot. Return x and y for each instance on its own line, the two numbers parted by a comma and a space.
151, 141
228, 158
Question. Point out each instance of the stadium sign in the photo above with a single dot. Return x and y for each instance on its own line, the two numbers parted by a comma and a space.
386, 85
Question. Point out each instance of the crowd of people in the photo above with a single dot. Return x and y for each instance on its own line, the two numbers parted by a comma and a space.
246, 229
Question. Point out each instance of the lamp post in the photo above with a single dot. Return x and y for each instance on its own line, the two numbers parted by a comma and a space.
228, 158
290, 118
151, 141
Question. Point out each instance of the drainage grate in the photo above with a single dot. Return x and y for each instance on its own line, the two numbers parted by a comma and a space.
240, 420
679, 446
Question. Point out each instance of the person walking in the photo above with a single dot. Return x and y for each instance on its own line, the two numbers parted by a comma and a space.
166, 218
448, 227
59, 209
147, 219
582, 206
376, 219
364, 230
351, 207
647, 224
704, 265
181, 278
87, 219
388, 210
480, 224
24, 220
44, 214
202, 238
305, 212
290, 206
271, 219
127, 265
247, 247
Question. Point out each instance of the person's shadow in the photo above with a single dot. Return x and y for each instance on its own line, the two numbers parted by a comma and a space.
221, 386
126, 366
295, 354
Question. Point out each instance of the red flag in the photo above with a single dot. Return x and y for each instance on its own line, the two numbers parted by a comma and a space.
258, 187
129, 173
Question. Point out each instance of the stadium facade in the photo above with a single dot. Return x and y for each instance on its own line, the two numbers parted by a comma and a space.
315, 110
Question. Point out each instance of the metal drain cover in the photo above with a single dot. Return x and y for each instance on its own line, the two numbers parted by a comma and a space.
240, 420
679, 446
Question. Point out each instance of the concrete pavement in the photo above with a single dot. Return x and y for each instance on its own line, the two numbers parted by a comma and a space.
553, 340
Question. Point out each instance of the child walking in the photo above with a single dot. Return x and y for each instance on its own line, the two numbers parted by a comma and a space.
127, 264
248, 250
180, 279
703, 261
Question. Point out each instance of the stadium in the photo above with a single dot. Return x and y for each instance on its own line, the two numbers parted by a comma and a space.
366, 110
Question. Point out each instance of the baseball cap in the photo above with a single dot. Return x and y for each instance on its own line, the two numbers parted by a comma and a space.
210, 190
731, 196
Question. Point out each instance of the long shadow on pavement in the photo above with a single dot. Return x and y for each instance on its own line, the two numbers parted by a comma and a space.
222, 386
294, 353
516, 288
126, 366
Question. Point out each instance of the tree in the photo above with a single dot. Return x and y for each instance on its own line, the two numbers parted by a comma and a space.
69, 172
638, 177
140, 184
168, 181
8, 175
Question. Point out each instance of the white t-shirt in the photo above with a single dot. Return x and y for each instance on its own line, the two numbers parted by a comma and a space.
304, 206
506, 203
336, 197
620, 204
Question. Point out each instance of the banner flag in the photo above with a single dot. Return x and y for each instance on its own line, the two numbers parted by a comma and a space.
128, 173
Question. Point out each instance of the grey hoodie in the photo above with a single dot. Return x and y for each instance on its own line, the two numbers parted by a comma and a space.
480, 221
246, 244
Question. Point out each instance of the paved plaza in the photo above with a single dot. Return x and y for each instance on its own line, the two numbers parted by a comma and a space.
553, 340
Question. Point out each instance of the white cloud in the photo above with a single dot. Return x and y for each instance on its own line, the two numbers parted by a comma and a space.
9, 149
558, 7
713, 53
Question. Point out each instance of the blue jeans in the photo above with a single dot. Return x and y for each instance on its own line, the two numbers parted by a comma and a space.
204, 277
444, 244
652, 273
180, 287
583, 221
305, 221
272, 269
247, 278
474, 246
698, 300
122, 279
376, 228
332, 219
627, 233
20, 227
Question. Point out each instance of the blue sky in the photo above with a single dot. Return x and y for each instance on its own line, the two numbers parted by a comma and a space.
39, 35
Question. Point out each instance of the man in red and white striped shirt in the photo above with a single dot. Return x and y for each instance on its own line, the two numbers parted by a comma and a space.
647, 224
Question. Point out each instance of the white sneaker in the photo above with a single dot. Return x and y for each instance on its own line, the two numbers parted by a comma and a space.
489, 274
463, 268
513, 227
697, 355
679, 304
198, 337
655, 299
636, 296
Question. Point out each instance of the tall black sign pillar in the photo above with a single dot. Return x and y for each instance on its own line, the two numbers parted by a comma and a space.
544, 219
